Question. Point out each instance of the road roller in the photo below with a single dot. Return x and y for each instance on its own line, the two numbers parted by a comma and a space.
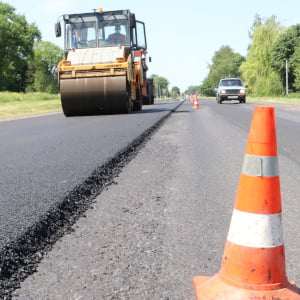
105, 64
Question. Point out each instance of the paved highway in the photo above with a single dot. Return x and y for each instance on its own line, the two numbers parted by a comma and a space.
48, 164
166, 217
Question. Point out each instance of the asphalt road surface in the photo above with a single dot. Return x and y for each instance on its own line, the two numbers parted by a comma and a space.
44, 158
51, 167
166, 216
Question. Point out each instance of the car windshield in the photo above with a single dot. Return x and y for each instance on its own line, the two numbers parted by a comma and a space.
231, 82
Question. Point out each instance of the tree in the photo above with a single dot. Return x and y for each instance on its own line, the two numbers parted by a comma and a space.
256, 23
16, 40
286, 46
42, 76
257, 72
207, 88
295, 63
193, 89
225, 63
161, 85
175, 92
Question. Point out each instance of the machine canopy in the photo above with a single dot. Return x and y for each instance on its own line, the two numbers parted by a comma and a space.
94, 30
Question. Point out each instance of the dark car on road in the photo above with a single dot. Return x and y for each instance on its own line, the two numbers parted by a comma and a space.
231, 89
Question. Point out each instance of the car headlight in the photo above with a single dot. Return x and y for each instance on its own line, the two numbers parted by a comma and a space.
223, 91
242, 91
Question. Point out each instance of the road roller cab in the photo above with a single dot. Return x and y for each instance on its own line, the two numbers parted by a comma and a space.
104, 68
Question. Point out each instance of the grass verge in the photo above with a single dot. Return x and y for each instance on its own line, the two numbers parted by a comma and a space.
14, 105
287, 100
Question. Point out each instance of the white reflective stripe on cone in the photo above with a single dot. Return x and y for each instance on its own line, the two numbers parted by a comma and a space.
255, 230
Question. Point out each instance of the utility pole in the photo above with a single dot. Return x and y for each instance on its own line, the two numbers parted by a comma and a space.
286, 78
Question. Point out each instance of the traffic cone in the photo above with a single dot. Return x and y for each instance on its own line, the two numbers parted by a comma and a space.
196, 105
253, 264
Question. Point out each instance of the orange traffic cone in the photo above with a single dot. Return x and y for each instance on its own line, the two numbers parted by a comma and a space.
196, 105
253, 265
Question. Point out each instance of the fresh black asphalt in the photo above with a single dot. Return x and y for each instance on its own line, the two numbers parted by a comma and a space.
52, 167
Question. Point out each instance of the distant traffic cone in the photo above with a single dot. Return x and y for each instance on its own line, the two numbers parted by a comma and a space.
196, 105
253, 265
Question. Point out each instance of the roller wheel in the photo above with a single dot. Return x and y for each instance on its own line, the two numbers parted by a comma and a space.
95, 95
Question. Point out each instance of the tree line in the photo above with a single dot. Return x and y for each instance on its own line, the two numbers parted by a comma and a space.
161, 87
26, 62
271, 66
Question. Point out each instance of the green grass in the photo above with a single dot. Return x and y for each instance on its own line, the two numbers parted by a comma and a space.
292, 99
13, 105
289, 100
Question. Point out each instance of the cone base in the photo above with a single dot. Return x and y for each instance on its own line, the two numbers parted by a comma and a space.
215, 288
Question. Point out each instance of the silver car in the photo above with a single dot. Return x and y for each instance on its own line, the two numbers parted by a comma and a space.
231, 89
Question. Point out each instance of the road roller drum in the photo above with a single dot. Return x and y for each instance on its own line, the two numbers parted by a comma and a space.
98, 95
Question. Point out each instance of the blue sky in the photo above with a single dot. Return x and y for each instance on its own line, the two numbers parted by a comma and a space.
182, 36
